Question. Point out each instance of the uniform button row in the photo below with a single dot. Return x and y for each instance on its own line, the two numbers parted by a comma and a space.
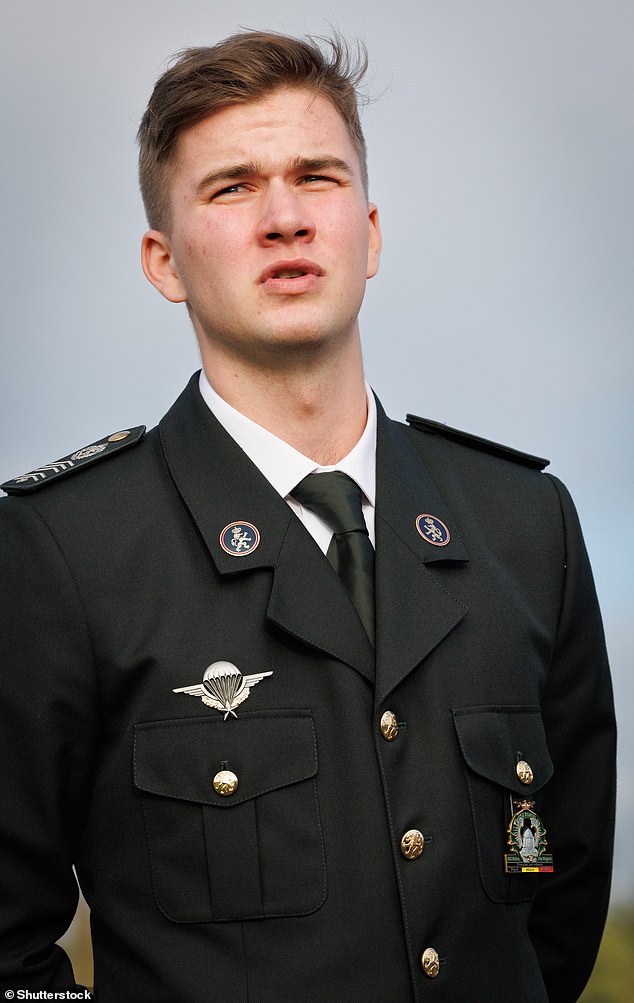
412, 846
413, 843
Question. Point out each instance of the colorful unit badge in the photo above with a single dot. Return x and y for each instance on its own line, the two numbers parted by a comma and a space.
239, 538
433, 530
527, 840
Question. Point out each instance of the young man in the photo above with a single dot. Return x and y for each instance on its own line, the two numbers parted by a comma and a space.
286, 764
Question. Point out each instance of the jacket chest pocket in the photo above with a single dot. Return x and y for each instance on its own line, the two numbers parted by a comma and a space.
253, 853
494, 742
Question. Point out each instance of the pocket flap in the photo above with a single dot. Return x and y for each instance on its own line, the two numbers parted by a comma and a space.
266, 751
494, 739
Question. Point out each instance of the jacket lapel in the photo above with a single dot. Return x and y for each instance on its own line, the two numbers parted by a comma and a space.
414, 611
221, 487
309, 601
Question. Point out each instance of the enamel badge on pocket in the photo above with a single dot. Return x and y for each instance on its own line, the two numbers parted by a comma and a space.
527, 842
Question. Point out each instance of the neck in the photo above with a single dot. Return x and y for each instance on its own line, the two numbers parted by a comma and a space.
317, 405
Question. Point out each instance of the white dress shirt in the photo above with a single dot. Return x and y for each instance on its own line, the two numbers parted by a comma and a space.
284, 467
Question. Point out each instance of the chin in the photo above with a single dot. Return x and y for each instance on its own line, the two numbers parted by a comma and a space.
282, 337
308, 331
307, 339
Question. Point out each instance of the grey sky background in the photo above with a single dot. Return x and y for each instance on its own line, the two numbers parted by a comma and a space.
501, 148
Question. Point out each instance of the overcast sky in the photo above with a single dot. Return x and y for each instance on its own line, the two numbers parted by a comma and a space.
501, 148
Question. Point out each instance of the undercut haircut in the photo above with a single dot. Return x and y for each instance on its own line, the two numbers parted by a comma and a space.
243, 68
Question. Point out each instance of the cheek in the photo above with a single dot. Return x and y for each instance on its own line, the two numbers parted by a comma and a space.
213, 246
227, 232
347, 235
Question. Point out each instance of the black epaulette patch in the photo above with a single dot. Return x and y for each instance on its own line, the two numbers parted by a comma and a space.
485, 445
74, 461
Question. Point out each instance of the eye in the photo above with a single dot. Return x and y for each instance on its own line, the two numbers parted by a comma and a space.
318, 181
228, 192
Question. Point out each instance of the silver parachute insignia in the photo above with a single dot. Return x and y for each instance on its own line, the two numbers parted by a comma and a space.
223, 687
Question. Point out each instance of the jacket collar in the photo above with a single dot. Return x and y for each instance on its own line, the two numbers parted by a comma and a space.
221, 487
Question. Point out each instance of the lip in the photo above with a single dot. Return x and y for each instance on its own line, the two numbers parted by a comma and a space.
311, 273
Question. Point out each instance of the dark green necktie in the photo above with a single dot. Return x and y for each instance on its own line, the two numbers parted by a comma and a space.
337, 499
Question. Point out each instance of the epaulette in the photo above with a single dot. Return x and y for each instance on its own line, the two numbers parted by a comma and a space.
81, 458
476, 442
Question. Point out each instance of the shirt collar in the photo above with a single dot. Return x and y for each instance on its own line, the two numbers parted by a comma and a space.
282, 464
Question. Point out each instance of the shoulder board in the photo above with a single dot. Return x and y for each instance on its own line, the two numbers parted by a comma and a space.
74, 461
484, 445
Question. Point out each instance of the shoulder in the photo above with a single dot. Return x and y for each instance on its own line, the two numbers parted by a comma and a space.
475, 442
90, 493
483, 475
496, 492
87, 507
71, 464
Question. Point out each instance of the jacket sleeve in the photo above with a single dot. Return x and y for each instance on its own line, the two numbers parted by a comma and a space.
48, 724
577, 807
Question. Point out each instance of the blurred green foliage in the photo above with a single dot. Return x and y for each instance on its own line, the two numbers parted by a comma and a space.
613, 976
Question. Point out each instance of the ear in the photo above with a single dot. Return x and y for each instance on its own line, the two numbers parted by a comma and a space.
160, 268
376, 242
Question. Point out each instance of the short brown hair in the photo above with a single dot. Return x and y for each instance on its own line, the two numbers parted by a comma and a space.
243, 68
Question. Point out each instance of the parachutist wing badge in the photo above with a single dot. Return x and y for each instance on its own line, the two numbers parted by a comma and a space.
223, 687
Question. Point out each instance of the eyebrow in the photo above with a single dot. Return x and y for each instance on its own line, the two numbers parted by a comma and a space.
315, 165
310, 165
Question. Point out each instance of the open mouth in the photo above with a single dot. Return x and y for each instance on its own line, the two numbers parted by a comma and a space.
283, 271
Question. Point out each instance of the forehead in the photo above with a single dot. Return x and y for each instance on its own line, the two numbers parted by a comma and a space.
285, 124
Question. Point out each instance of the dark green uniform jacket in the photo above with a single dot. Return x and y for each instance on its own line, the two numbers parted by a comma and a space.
116, 590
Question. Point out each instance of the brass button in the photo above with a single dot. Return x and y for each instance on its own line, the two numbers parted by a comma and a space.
524, 772
225, 783
118, 436
389, 726
430, 962
412, 844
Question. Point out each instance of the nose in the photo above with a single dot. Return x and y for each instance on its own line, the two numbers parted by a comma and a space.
285, 217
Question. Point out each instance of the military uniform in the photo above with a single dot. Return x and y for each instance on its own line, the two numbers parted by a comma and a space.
357, 851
